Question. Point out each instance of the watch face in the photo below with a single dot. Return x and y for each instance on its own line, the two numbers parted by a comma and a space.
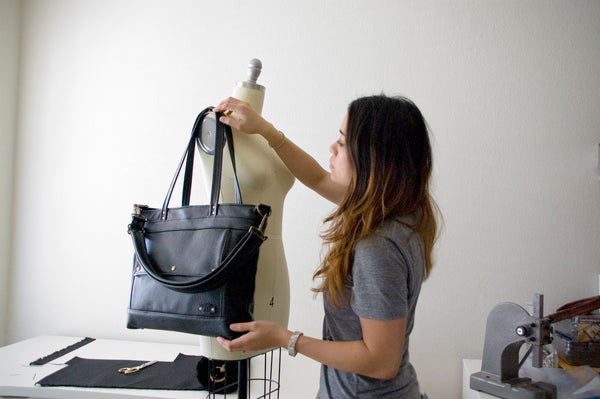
208, 130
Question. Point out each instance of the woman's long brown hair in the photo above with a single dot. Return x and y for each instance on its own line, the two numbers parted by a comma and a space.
389, 149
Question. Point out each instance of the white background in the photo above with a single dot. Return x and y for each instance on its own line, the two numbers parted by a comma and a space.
98, 99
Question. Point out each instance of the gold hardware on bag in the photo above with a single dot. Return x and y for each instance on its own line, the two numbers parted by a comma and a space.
259, 233
173, 268
137, 213
261, 226
137, 208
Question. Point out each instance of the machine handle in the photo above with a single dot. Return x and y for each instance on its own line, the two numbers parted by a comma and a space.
575, 308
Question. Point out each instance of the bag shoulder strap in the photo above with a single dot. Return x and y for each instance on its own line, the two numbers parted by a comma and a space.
239, 255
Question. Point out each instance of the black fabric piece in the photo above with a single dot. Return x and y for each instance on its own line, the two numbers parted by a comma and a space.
98, 373
55, 355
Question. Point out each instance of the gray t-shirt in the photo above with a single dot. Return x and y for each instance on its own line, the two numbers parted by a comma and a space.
387, 272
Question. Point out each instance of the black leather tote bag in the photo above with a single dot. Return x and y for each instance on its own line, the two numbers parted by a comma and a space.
194, 266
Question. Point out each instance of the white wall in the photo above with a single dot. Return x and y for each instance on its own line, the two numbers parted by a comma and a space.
9, 56
511, 90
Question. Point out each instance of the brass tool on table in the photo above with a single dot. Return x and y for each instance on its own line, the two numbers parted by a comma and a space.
135, 369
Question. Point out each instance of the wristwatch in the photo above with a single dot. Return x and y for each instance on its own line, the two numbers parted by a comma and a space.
292, 344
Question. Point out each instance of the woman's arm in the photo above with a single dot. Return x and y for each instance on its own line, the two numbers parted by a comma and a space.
377, 355
304, 167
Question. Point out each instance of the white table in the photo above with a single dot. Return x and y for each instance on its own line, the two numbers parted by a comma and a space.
18, 379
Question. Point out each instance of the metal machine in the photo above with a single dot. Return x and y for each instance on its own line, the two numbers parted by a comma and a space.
508, 327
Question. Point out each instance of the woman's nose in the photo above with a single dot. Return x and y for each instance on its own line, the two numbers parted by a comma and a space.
332, 148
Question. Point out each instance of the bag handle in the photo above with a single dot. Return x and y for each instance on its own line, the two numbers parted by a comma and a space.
189, 167
223, 134
241, 253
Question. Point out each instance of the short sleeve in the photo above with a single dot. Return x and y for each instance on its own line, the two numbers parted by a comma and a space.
380, 280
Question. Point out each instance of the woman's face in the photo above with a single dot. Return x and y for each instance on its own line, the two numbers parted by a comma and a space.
339, 163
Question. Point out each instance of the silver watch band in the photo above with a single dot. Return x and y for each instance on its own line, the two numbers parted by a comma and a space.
292, 344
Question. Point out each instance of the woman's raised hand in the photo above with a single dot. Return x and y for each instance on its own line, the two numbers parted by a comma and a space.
241, 116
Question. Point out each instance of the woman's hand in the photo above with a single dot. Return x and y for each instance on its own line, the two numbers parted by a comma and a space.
260, 335
245, 119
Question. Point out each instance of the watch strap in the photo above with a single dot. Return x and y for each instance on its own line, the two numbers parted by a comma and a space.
292, 344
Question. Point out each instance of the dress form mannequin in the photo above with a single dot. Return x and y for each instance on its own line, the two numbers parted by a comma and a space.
263, 178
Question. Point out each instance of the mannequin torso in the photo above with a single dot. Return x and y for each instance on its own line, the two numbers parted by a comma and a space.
263, 178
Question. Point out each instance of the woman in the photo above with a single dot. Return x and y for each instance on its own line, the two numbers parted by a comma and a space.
379, 242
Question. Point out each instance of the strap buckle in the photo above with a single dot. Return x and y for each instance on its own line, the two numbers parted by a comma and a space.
138, 209
138, 220
261, 227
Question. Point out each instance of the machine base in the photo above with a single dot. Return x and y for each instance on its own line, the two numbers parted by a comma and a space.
520, 388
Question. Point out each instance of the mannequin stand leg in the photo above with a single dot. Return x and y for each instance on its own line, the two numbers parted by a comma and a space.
243, 379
